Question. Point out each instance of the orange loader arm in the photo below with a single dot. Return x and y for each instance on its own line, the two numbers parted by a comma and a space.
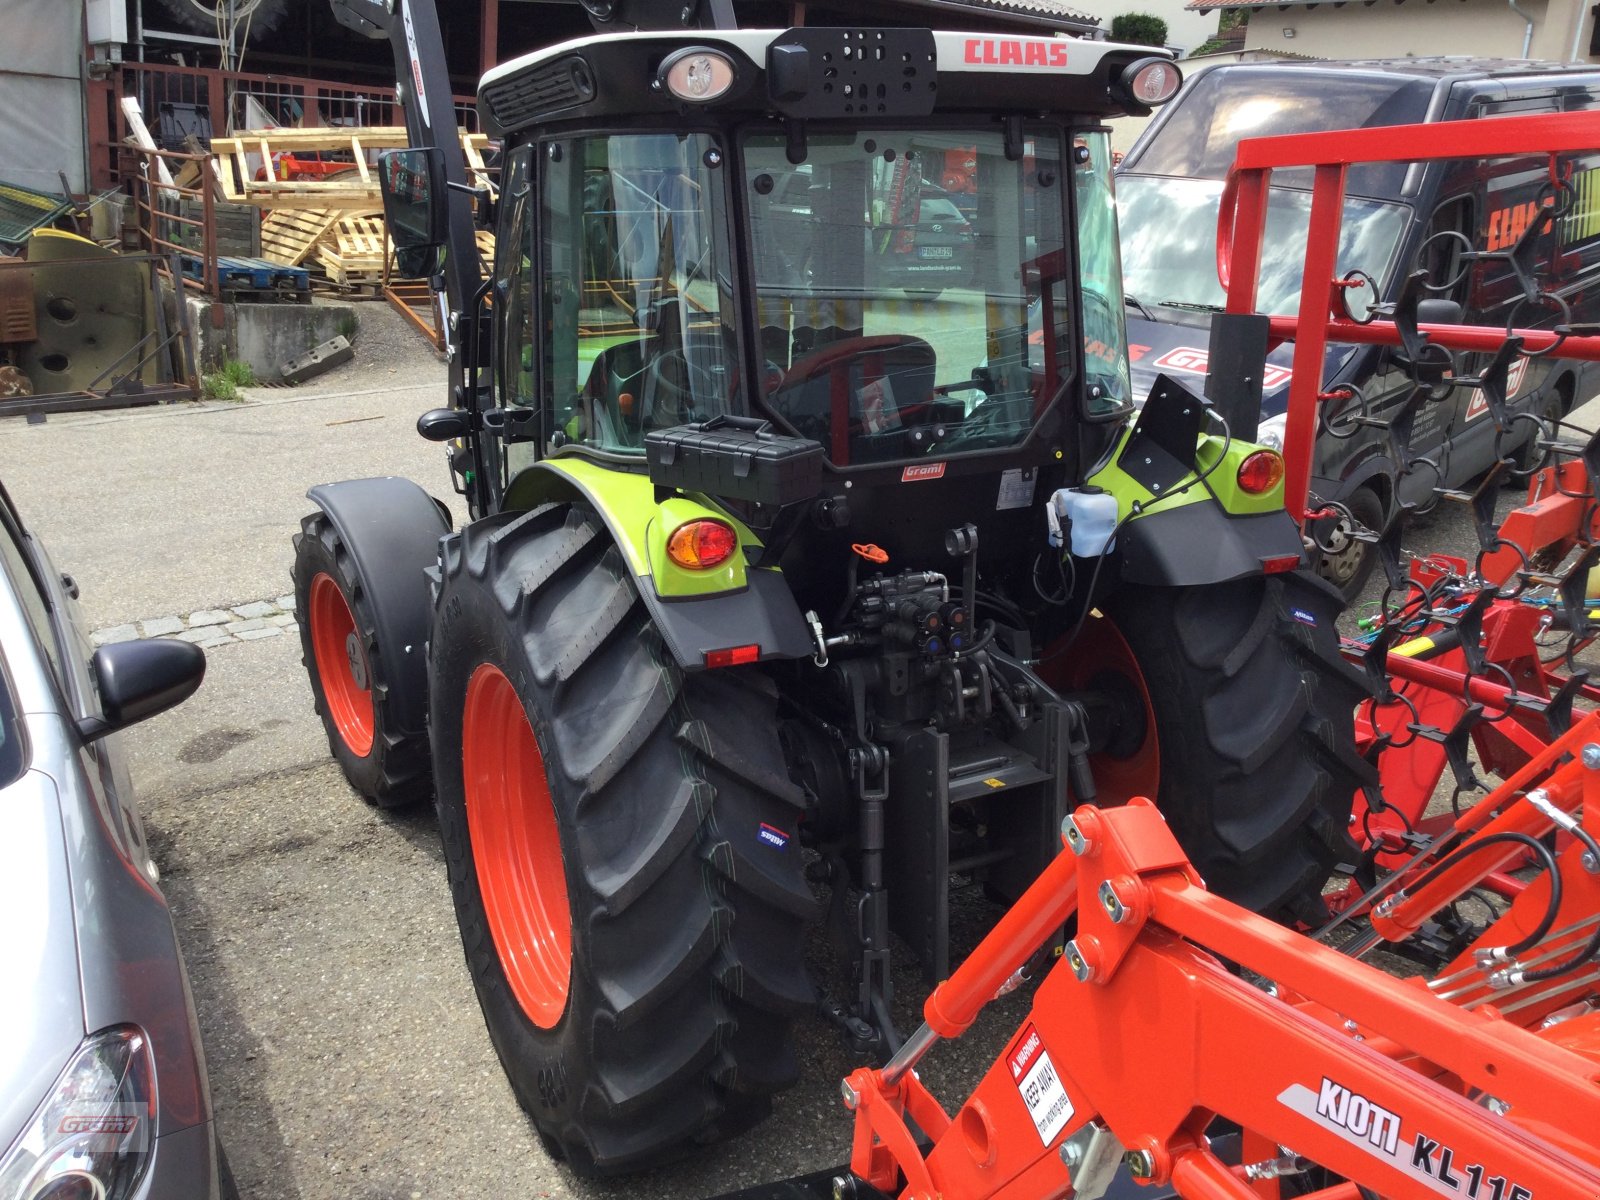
1141, 1036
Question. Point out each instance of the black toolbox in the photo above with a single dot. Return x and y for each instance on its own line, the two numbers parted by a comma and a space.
735, 458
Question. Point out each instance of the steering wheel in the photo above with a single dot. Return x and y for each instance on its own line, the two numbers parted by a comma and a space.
672, 381
992, 423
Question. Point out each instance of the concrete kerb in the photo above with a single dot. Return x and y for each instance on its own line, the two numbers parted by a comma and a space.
208, 627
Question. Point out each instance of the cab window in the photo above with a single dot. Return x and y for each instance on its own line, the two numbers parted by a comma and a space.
913, 289
639, 275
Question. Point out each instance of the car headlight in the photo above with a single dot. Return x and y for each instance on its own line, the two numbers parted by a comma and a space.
1270, 433
90, 1139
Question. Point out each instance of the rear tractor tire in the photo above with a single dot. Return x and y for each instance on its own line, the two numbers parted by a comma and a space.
620, 839
344, 659
1247, 743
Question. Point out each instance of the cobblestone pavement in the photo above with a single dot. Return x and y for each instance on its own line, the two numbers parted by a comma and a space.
208, 627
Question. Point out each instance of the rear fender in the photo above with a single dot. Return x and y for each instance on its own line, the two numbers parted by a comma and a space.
391, 529
697, 612
1196, 544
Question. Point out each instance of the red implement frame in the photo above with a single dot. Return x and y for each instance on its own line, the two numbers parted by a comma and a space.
1141, 1036
1242, 224
1433, 685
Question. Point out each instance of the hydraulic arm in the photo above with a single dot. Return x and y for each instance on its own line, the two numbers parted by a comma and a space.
1142, 1036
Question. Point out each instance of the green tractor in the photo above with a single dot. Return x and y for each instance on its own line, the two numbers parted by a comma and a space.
816, 558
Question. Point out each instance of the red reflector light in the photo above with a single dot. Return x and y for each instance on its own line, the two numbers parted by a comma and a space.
1280, 563
733, 656
1261, 472
701, 545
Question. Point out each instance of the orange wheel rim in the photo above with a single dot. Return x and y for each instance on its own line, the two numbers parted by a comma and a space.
516, 847
341, 665
1101, 655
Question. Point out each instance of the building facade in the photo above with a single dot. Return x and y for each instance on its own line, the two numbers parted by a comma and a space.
1551, 30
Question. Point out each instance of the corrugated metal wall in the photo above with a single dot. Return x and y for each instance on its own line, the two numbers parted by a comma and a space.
41, 93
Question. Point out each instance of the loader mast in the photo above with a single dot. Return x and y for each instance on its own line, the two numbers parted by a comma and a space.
422, 87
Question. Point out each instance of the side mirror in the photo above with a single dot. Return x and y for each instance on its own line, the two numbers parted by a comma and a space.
415, 198
1438, 311
137, 680
443, 424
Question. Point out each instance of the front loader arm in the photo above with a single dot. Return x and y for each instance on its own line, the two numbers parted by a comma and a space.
1141, 1036
422, 85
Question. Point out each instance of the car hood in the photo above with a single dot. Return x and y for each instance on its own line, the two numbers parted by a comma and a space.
42, 1013
1176, 344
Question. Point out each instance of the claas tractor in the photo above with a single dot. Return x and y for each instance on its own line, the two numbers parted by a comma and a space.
816, 558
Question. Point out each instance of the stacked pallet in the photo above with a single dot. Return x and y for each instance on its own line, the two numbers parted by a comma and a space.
327, 214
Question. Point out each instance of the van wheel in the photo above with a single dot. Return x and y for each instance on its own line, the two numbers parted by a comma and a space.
1528, 457
1347, 562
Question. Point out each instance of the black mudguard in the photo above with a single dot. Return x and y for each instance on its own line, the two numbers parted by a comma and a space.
391, 529
1201, 544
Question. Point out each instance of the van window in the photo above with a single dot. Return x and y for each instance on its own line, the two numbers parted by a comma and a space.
1169, 242
1441, 255
1219, 107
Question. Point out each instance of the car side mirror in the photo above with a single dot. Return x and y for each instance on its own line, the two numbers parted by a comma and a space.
1436, 310
415, 197
137, 680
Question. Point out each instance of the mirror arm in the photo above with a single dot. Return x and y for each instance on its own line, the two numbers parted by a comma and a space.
92, 729
483, 205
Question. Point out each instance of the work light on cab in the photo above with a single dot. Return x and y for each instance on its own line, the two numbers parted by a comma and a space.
1261, 472
1151, 81
697, 75
702, 544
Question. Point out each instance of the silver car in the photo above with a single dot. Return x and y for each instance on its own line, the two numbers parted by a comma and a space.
103, 1091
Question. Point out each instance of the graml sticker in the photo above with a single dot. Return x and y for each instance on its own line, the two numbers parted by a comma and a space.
1035, 1076
1514, 379
922, 471
1196, 362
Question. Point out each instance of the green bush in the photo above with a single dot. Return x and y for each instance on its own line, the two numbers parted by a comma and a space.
225, 383
1139, 29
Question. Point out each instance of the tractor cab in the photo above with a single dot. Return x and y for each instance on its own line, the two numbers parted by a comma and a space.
898, 244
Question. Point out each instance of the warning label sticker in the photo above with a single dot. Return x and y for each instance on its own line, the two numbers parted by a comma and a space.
1042, 1092
1016, 489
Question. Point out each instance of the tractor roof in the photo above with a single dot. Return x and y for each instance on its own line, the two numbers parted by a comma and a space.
815, 73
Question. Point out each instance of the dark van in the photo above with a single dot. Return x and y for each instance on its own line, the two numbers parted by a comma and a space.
1398, 217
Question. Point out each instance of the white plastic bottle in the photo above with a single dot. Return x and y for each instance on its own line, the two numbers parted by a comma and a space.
1093, 516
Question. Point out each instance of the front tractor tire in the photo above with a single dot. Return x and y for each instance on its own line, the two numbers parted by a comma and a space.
345, 660
620, 839
1247, 740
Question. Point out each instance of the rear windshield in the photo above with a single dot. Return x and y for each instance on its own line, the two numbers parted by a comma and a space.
1218, 108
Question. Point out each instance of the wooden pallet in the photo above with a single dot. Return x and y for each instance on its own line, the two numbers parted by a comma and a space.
358, 190
354, 250
288, 235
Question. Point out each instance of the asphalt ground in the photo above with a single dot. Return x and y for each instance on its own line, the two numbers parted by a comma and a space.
347, 1055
